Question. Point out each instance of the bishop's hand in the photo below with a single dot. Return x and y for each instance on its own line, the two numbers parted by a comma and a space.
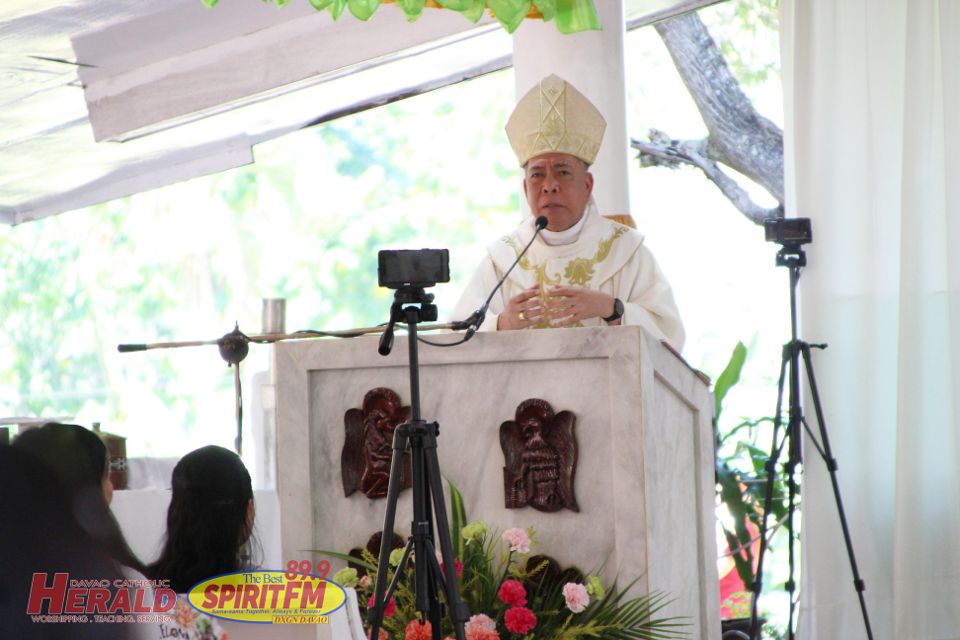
566, 306
522, 311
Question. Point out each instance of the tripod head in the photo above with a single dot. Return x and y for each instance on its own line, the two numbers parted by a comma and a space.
791, 256
426, 312
405, 309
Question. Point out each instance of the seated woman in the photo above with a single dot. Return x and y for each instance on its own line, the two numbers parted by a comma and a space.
40, 535
209, 531
79, 461
210, 519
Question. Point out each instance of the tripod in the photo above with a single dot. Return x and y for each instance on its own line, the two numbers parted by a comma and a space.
427, 491
792, 256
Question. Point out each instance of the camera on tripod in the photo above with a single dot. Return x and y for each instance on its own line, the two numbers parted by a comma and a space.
413, 268
790, 232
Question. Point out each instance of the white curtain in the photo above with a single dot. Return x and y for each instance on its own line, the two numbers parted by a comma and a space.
872, 95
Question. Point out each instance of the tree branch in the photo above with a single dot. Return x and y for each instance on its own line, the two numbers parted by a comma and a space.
739, 136
665, 152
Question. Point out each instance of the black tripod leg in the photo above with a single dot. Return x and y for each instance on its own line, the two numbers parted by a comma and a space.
771, 470
459, 611
794, 457
380, 596
831, 463
421, 529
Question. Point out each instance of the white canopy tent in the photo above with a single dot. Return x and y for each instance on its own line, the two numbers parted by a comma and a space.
105, 99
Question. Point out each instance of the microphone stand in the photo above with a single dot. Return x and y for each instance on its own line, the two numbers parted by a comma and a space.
472, 324
235, 346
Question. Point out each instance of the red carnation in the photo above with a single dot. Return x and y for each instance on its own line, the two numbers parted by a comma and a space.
457, 568
388, 610
512, 593
417, 631
519, 620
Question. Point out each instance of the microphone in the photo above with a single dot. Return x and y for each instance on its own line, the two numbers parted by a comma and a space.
472, 324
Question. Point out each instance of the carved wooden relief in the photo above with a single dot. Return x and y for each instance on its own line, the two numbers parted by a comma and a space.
368, 446
540, 458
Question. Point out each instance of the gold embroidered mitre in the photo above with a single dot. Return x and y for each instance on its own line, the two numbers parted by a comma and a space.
555, 118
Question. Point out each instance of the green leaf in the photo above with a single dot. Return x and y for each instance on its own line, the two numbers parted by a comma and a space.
548, 8
209, 4
509, 13
372, 566
729, 377
472, 10
320, 5
574, 16
363, 9
458, 518
413, 8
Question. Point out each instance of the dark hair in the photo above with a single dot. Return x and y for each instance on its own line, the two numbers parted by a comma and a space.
41, 535
208, 532
78, 460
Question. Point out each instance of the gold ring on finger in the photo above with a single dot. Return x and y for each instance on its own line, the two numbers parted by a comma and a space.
521, 316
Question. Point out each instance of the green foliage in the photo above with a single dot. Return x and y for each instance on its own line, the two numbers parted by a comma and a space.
729, 377
44, 303
570, 16
747, 34
741, 473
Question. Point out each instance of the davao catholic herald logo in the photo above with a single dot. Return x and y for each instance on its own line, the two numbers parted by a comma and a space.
291, 597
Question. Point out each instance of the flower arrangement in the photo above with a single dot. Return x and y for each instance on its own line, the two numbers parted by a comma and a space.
512, 594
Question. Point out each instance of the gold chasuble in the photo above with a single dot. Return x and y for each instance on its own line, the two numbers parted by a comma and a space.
606, 256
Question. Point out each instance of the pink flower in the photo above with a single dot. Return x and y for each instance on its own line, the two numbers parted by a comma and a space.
480, 622
389, 610
576, 596
512, 593
519, 620
481, 627
518, 539
417, 631
381, 635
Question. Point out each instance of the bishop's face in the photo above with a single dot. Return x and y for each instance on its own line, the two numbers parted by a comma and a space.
558, 186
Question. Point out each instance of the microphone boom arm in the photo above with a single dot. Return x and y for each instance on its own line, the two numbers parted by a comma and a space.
472, 324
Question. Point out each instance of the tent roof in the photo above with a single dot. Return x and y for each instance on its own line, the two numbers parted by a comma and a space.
105, 98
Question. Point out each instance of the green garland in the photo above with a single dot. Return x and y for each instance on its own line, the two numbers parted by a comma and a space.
570, 16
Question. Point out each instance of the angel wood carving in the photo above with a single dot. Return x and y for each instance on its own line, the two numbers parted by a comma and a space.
368, 445
540, 458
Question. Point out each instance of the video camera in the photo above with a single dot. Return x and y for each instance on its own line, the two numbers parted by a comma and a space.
790, 232
413, 268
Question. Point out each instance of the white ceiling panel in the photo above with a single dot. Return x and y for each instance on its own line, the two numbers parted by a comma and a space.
101, 99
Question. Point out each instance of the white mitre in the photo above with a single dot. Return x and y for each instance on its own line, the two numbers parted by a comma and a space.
553, 117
